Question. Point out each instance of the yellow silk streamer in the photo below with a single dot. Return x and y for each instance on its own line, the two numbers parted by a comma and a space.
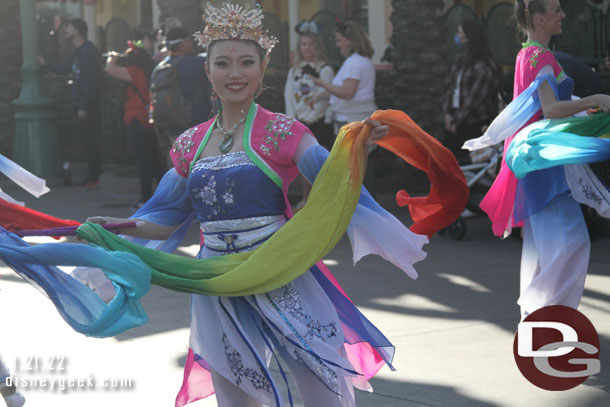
306, 238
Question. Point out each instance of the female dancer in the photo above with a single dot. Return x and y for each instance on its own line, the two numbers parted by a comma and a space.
556, 244
236, 185
259, 288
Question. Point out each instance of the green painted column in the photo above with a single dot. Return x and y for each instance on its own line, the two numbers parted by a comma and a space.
36, 147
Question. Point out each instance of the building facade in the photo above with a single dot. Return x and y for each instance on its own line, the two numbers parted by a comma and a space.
113, 22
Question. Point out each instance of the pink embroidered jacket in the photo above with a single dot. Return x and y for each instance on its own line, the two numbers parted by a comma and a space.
270, 140
499, 202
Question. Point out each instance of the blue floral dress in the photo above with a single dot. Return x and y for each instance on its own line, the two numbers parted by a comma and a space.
239, 208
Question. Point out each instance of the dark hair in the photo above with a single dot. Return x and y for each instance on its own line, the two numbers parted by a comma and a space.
141, 34
259, 49
80, 25
524, 13
476, 46
140, 58
176, 33
343, 29
361, 44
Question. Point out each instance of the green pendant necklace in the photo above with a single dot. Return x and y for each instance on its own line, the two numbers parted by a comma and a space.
226, 144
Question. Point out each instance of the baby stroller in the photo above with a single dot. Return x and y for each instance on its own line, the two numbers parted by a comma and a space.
479, 177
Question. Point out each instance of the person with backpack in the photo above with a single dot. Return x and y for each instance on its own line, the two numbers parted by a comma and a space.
180, 91
86, 68
135, 68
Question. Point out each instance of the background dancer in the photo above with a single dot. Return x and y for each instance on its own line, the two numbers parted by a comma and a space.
556, 243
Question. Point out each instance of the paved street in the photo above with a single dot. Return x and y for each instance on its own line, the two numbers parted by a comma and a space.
453, 327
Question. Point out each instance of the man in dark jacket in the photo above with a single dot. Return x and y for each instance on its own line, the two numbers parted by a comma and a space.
87, 75
193, 83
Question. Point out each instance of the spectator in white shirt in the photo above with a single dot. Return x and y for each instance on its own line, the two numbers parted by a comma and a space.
353, 88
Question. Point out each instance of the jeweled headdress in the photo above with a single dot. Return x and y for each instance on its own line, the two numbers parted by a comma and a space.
234, 22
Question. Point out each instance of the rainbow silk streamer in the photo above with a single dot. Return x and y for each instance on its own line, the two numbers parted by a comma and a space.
292, 250
78, 305
448, 189
282, 258
322, 221
549, 143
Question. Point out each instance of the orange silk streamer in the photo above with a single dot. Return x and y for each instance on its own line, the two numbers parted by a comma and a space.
448, 191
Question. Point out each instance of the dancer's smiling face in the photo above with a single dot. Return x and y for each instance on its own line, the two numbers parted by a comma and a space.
553, 17
548, 19
235, 69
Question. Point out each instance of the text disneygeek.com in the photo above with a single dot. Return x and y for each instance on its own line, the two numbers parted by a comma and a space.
62, 384
51, 374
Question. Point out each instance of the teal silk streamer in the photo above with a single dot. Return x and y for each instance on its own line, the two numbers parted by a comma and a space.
550, 143
78, 305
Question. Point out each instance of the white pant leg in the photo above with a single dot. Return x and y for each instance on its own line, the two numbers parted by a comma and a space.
313, 391
229, 395
555, 256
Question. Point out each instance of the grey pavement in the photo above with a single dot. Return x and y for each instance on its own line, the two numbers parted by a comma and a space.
453, 327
